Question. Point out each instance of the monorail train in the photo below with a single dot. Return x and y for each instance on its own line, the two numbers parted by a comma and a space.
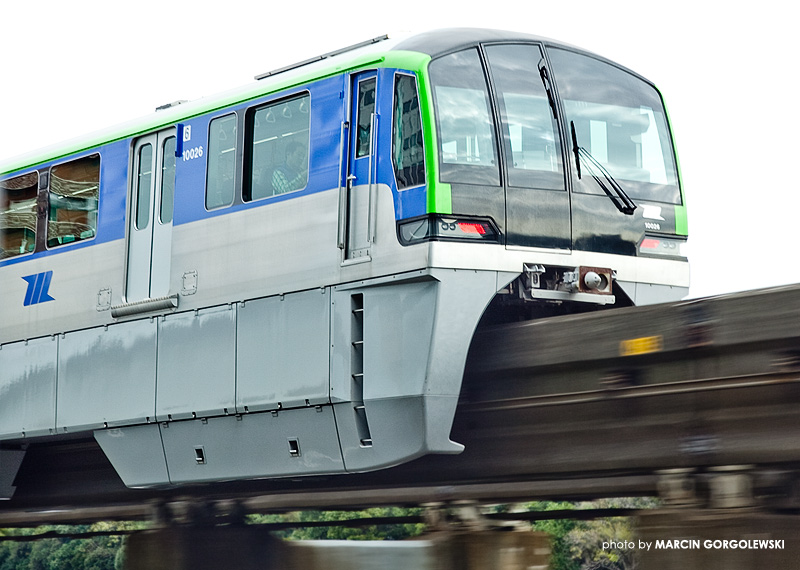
284, 280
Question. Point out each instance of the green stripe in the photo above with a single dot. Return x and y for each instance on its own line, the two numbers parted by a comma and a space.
413, 61
439, 193
681, 221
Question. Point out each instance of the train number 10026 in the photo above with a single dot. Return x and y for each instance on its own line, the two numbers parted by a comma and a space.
192, 153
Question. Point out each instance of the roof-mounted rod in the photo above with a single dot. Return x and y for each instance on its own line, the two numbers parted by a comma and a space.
170, 105
321, 57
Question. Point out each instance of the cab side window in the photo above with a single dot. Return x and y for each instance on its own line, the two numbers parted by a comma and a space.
408, 154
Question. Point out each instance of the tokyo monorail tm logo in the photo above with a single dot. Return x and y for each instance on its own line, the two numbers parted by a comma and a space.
38, 286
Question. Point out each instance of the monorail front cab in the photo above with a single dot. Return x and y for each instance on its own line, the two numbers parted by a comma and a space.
564, 151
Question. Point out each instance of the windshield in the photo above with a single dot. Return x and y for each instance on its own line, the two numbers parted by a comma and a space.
620, 120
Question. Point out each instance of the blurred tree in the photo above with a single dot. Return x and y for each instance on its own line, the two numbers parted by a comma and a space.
578, 545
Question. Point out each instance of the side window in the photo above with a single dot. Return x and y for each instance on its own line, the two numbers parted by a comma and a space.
278, 148
74, 192
467, 148
18, 215
529, 129
408, 154
221, 180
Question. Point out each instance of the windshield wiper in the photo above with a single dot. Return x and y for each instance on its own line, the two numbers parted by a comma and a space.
617, 195
547, 87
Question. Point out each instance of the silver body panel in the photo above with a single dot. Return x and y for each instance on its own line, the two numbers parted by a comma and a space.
28, 388
106, 376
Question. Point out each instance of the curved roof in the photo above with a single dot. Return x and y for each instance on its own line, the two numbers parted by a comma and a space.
439, 42
373, 52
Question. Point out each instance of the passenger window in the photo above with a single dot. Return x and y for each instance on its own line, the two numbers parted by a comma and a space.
278, 148
74, 194
467, 148
18, 197
408, 154
221, 180
529, 128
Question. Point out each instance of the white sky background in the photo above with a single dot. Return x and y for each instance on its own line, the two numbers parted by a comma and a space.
727, 72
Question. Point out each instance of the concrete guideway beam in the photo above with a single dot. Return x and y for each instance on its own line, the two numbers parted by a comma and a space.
246, 548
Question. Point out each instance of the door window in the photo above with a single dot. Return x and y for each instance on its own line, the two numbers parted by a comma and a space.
167, 181
144, 178
366, 108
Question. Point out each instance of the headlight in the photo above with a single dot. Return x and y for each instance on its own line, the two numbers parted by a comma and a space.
662, 246
439, 227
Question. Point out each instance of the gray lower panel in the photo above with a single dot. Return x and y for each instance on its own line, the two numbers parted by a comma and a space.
282, 351
397, 360
10, 460
106, 376
28, 388
400, 429
196, 364
397, 350
287, 443
136, 454
390, 344
650, 294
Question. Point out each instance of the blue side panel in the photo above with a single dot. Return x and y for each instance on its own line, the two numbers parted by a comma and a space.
190, 171
114, 189
327, 114
410, 203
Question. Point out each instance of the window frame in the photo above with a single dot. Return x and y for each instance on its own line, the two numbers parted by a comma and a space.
48, 193
397, 76
136, 211
249, 143
456, 173
164, 154
637, 189
37, 202
235, 116
511, 175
